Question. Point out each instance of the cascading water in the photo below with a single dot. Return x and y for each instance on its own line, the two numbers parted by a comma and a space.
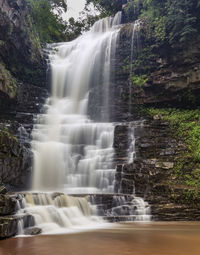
135, 50
57, 212
73, 154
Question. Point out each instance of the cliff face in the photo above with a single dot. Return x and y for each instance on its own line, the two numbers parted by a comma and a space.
160, 77
22, 92
20, 50
154, 173
149, 79
164, 80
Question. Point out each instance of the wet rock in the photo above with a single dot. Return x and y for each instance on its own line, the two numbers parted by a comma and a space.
3, 190
164, 165
33, 231
127, 186
113, 219
8, 227
9, 224
152, 172
19, 51
156, 117
22, 65
145, 145
8, 204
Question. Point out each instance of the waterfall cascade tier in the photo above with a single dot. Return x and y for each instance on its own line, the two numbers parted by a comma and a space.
57, 213
71, 153
50, 213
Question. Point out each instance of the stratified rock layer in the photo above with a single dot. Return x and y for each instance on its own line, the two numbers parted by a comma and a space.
9, 220
152, 175
22, 93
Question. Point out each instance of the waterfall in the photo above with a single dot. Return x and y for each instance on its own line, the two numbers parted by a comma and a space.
72, 154
135, 50
57, 212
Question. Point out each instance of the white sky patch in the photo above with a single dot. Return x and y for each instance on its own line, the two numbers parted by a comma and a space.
74, 7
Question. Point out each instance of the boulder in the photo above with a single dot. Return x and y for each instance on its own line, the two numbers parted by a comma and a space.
9, 224
33, 231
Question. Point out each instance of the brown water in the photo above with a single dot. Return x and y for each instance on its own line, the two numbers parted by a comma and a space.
124, 239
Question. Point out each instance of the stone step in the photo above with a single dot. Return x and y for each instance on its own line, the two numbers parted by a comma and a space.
122, 218
9, 224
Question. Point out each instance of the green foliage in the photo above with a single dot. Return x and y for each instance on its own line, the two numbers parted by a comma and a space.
185, 124
181, 22
6, 133
191, 197
193, 179
171, 21
106, 7
145, 61
2, 43
59, 5
8, 83
73, 29
139, 80
160, 28
133, 9
48, 25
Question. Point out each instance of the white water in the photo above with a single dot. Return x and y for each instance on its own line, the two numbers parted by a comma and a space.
136, 209
72, 154
58, 213
135, 49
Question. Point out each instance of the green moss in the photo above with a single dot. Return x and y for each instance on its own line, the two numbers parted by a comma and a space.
8, 83
2, 43
6, 134
139, 80
191, 197
185, 125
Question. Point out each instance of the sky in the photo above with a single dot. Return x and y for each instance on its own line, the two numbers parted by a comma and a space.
74, 7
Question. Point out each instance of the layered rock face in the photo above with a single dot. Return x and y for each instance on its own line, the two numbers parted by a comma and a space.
15, 137
20, 50
9, 221
22, 95
22, 66
167, 82
152, 174
143, 77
